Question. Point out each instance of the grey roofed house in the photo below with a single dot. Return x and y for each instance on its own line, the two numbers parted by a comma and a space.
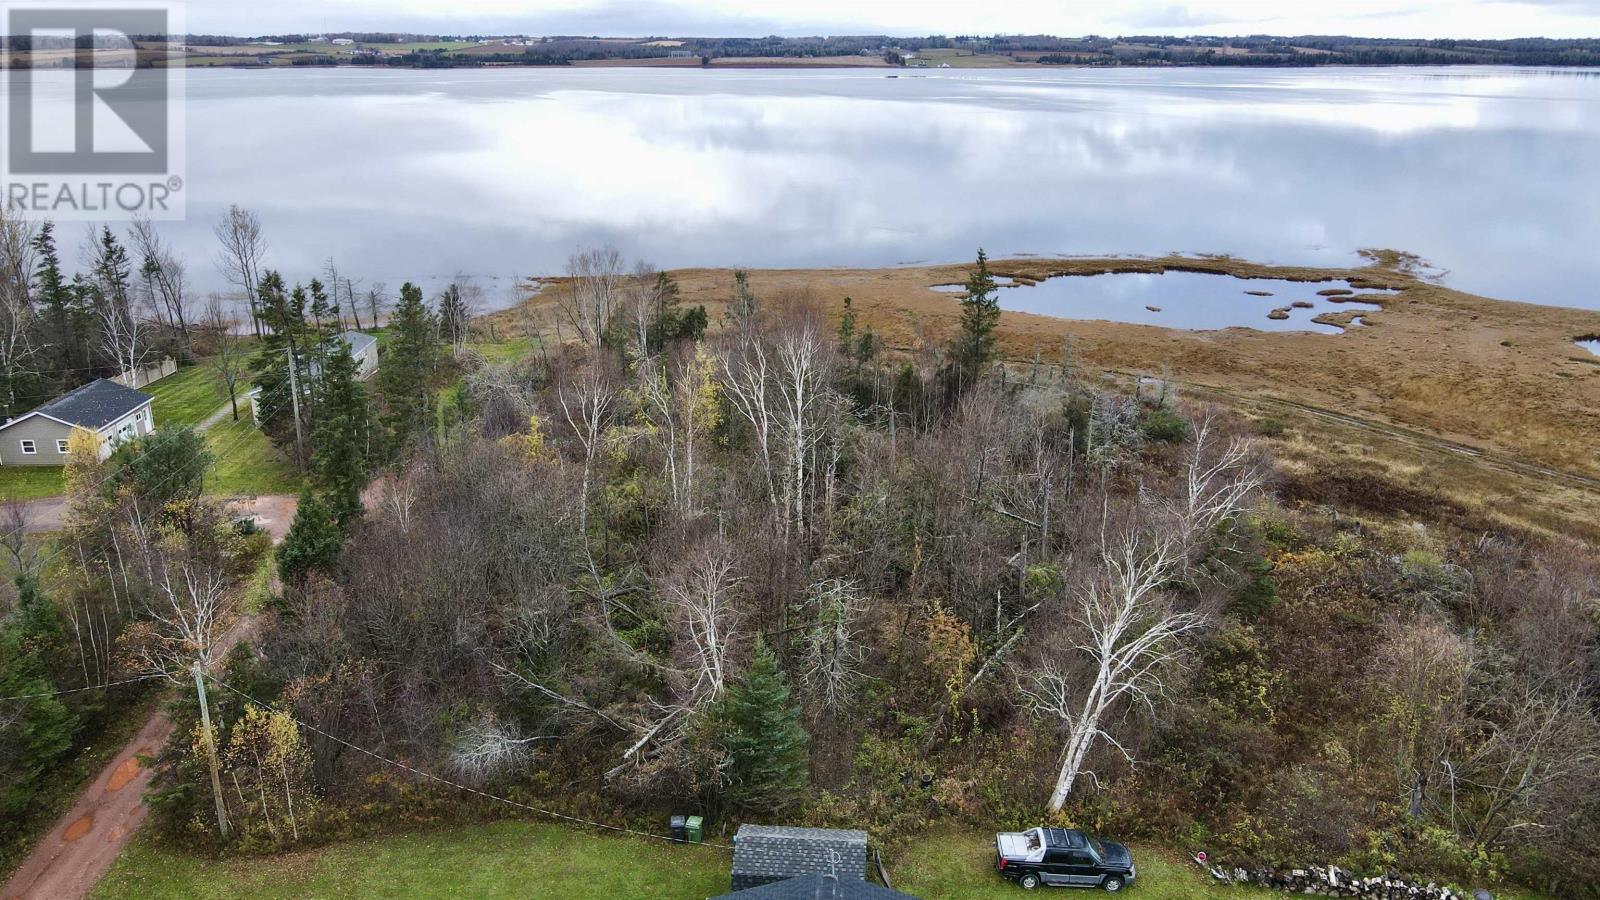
763, 854
39, 437
817, 887
363, 348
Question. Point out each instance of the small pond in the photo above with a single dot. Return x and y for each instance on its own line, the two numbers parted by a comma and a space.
1590, 344
1193, 300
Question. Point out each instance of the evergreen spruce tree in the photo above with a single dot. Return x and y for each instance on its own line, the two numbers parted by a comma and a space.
32, 651
56, 295
339, 464
113, 273
406, 378
313, 541
974, 346
768, 763
283, 312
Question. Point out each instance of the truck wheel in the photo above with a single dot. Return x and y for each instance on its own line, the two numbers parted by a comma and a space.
1028, 881
1113, 884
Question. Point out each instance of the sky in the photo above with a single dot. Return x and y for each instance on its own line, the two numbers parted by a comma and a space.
736, 18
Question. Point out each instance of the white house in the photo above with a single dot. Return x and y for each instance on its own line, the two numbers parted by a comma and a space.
114, 412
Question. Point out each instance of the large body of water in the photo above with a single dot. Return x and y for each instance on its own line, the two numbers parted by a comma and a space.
1491, 174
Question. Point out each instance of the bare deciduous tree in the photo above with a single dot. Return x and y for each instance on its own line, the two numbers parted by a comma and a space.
682, 413
1131, 626
587, 403
704, 615
18, 349
162, 275
593, 293
243, 248
231, 357
189, 600
833, 650
488, 749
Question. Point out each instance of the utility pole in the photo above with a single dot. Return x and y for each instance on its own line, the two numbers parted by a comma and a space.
294, 394
211, 748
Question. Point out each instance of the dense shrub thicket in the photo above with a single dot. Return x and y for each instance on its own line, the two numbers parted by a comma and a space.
772, 573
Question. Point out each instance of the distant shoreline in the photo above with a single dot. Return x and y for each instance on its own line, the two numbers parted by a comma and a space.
892, 71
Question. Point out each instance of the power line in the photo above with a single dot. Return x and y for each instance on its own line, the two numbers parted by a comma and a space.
432, 777
169, 479
92, 687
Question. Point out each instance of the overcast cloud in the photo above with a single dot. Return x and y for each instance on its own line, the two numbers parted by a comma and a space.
1366, 18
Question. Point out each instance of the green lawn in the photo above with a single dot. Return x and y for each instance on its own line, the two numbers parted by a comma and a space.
959, 865
246, 462
30, 482
187, 396
506, 859
548, 860
502, 351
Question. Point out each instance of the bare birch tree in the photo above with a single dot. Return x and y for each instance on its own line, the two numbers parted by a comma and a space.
243, 248
749, 375
833, 650
18, 348
1131, 626
682, 413
189, 601
124, 337
586, 402
593, 293
162, 275
804, 407
706, 622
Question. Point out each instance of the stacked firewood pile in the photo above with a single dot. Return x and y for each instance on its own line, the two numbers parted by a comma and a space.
1331, 881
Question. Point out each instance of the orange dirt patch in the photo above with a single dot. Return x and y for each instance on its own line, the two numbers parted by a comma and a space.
78, 829
123, 774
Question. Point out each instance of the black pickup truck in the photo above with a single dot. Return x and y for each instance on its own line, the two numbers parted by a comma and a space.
1062, 857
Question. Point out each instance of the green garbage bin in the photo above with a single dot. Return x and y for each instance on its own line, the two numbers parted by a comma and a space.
694, 829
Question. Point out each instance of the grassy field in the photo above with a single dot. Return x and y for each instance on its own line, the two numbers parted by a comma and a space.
246, 461
187, 396
30, 482
502, 351
506, 859
543, 860
959, 865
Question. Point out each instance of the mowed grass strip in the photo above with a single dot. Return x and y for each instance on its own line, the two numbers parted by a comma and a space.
246, 463
959, 865
187, 396
30, 482
504, 859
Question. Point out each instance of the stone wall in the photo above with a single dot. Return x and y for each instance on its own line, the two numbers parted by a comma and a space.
1332, 881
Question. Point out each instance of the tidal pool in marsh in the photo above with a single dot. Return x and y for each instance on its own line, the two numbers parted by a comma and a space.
1192, 300
1590, 344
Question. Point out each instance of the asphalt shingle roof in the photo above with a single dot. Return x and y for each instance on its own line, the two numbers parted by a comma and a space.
768, 853
94, 405
817, 887
358, 341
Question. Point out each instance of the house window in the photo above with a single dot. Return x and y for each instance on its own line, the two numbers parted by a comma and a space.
61, 446
29, 448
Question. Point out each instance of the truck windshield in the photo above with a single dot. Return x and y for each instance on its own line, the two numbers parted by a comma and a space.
1099, 848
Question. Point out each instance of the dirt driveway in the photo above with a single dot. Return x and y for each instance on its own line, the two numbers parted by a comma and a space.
68, 862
